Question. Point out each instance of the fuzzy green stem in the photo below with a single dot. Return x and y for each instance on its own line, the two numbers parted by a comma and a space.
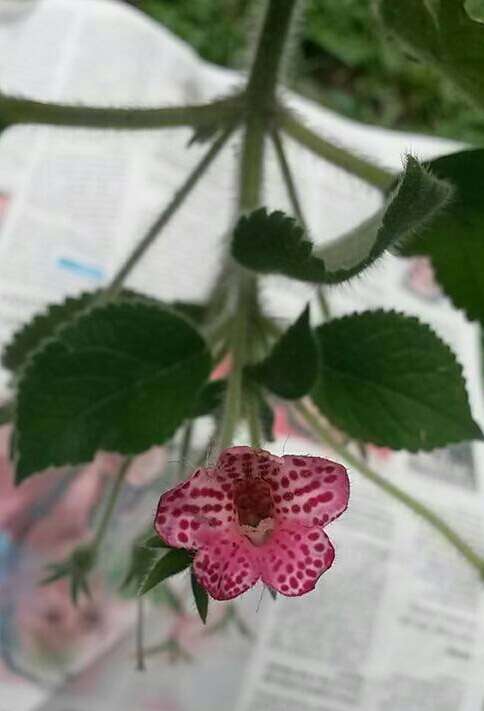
185, 446
164, 218
348, 161
15, 110
260, 97
238, 343
252, 163
270, 48
140, 657
287, 177
323, 304
296, 203
253, 418
259, 100
111, 503
473, 558
250, 184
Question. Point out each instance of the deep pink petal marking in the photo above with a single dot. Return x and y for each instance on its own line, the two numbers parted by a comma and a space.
294, 558
227, 565
309, 491
199, 504
246, 463
256, 515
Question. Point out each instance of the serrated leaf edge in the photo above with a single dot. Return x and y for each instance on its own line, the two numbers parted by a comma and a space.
131, 303
479, 435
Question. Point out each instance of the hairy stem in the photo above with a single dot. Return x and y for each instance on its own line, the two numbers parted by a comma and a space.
185, 446
140, 656
287, 176
253, 418
348, 161
324, 433
296, 203
259, 101
238, 347
270, 48
15, 110
111, 503
164, 218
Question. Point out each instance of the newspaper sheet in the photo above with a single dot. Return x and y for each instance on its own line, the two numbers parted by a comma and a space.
399, 621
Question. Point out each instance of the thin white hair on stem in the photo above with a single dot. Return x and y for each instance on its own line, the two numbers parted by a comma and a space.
261, 597
284, 445
183, 462
209, 451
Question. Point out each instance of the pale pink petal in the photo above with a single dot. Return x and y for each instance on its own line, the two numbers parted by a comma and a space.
227, 566
246, 462
193, 507
294, 558
309, 491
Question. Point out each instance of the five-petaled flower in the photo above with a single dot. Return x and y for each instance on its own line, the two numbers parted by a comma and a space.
255, 515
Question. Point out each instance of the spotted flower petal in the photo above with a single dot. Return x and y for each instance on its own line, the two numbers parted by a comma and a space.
294, 558
226, 566
255, 515
198, 505
310, 491
246, 462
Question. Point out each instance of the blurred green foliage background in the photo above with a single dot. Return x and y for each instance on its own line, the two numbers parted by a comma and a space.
342, 59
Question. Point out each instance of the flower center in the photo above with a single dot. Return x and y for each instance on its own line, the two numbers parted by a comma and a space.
255, 509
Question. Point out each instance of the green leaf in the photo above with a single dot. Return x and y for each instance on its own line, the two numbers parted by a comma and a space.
120, 378
440, 33
7, 410
201, 598
455, 241
172, 563
42, 326
291, 367
154, 541
144, 552
45, 324
192, 311
416, 202
388, 379
141, 562
209, 398
275, 243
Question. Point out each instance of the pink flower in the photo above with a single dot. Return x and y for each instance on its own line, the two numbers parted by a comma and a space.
255, 515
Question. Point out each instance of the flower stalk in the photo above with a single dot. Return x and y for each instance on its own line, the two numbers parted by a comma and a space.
259, 101
111, 504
